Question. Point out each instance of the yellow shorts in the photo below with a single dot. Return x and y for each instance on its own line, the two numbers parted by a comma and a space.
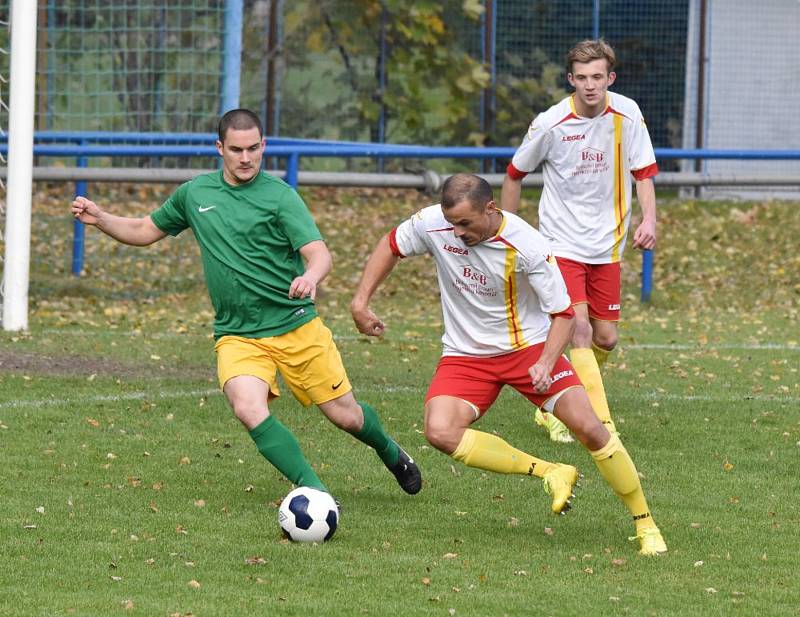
306, 357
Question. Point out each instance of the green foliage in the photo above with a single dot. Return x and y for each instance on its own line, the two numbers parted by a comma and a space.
525, 97
432, 81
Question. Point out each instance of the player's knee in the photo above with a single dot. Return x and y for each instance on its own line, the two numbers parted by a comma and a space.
605, 340
250, 413
440, 437
344, 413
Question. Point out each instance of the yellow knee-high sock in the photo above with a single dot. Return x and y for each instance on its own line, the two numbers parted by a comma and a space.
617, 468
600, 354
586, 366
489, 452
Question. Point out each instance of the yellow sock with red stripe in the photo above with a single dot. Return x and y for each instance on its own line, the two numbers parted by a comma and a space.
490, 452
617, 468
585, 365
600, 354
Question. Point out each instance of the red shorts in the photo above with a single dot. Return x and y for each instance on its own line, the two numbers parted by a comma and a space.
479, 380
597, 285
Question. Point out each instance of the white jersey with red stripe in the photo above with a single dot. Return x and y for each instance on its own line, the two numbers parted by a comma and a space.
585, 206
497, 296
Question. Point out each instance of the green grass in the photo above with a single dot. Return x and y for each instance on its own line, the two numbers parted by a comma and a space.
125, 476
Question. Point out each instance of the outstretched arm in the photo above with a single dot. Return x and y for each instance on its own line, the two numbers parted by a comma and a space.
128, 230
645, 235
378, 266
318, 265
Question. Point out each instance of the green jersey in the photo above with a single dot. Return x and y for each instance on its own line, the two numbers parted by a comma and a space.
249, 237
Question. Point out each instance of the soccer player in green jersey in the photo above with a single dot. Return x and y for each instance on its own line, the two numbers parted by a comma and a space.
263, 258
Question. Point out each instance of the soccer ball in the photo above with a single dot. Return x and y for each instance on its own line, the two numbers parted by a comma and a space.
308, 515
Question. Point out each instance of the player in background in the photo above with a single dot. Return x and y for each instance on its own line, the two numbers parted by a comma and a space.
507, 320
255, 233
589, 145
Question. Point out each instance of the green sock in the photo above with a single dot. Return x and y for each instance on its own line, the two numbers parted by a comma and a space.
374, 436
277, 444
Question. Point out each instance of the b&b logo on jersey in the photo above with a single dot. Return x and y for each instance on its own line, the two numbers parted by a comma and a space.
474, 275
590, 154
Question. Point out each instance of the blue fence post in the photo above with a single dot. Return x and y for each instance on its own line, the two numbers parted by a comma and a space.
78, 228
232, 55
596, 20
647, 275
292, 167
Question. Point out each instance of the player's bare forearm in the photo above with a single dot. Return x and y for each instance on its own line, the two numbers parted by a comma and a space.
318, 264
645, 235
510, 194
318, 260
128, 230
380, 263
558, 338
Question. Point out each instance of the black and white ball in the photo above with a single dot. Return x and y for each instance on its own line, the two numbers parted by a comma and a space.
308, 515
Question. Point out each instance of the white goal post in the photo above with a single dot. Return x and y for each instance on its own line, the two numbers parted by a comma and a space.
16, 267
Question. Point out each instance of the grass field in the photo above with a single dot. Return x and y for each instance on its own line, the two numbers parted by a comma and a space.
129, 489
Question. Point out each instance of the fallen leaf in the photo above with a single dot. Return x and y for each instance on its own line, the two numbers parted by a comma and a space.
255, 561
193, 584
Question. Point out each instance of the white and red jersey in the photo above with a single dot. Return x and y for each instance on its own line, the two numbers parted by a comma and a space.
497, 296
585, 206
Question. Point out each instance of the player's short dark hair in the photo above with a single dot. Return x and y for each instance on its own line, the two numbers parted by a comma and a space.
589, 50
469, 187
238, 120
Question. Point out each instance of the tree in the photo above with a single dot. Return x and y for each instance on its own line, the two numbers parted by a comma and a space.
430, 83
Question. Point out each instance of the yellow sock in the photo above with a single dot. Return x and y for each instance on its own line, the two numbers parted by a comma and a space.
600, 354
617, 468
489, 452
586, 366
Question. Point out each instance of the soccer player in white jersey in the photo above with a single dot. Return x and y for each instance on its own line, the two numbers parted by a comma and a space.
507, 320
589, 145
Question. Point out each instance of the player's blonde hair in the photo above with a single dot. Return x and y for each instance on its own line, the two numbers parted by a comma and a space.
589, 50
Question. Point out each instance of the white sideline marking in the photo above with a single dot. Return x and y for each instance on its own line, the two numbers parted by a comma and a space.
104, 398
627, 396
682, 346
356, 337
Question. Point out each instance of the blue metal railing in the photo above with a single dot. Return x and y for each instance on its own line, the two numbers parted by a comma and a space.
84, 145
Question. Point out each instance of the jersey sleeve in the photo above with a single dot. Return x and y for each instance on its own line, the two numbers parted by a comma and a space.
641, 157
296, 220
546, 280
409, 237
533, 149
170, 217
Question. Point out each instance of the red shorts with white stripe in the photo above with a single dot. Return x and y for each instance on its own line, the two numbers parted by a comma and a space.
479, 380
597, 285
